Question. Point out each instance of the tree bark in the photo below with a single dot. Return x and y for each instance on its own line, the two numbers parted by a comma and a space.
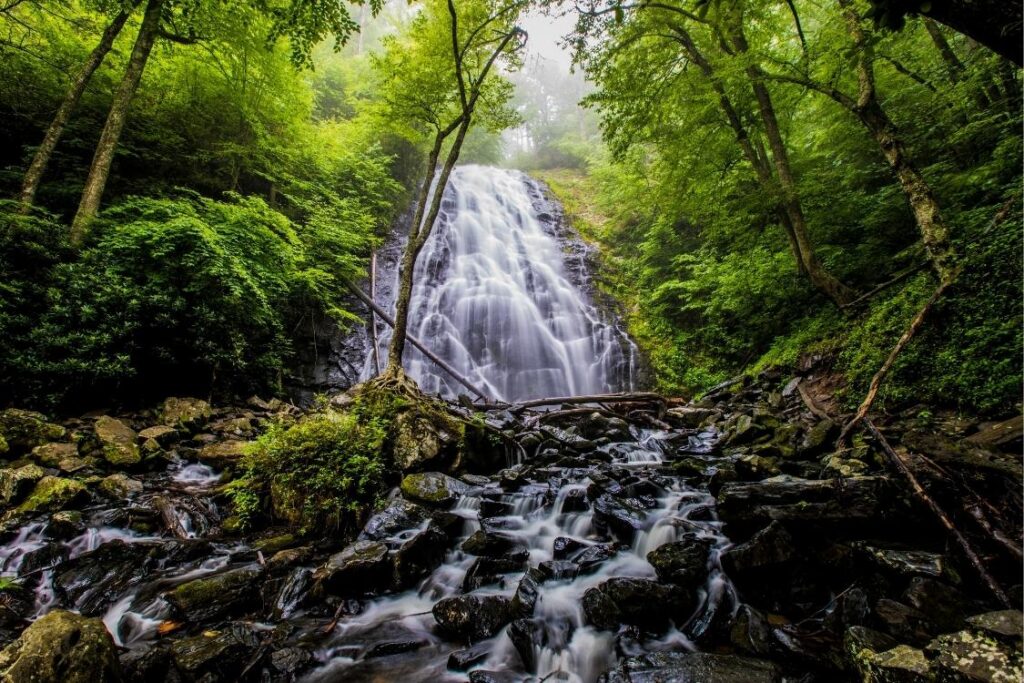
99, 171
36, 169
824, 281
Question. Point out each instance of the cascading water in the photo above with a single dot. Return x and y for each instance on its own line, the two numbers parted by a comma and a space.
497, 296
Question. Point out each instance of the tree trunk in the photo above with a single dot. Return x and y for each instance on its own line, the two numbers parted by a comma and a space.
954, 67
824, 281
99, 171
34, 174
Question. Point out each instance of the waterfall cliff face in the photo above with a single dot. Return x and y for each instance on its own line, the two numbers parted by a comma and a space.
502, 293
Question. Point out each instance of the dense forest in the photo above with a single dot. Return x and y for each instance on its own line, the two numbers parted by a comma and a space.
511, 340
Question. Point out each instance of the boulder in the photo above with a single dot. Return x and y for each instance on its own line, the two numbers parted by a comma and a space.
16, 483
95, 579
163, 435
423, 439
942, 604
54, 453
400, 515
473, 617
219, 655
904, 563
433, 488
222, 454
690, 417
692, 667
120, 485
360, 568
23, 430
974, 657
684, 563
769, 548
118, 441
622, 517
231, 592
188, 413
1005, 434
420, 555
819, 438
51, 494
460, 660
810, 501
494, 544
61, 646
1005, 624
901, 664
488, 570
903, 622
640, 602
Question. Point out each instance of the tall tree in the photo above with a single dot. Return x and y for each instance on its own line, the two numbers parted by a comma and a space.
41, 158
440, 79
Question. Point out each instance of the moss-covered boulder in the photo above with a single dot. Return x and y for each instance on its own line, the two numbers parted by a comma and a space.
53, 453
118, 442
187, 413
163, 435
901, 664
120, 485
51, 494
16, 483
23, 430
974, 656
433, 488
425, 437
223, 453
62, 646
233, 592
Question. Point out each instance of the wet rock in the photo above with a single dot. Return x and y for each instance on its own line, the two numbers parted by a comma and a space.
755, 467
817, 501
488, 570
494, 544
690, 417
565, 547
557, 570
50, 555
743, 430
901, 664
16, 483
420, 555
54, 493
838, 466
692, 667
222, 453
905, 563
149, 665
621, 517
117, 441
750, 631
819, 438
232, 592
54, 453
163, 435
61, 646
480, 676
769, 548
394, 647
495, 508
860, 642
1006, 434
524, 601
962, 455
903, 622
942, 605
216, 655
1006, 624
640, 602
684, 563
361, 567
590, 559
433, 488
23, 430
398, 516
973, 657
475, 617
188, 413
460, 660
65, 524
291, 660
120, 485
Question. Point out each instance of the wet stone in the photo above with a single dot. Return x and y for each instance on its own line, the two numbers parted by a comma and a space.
494, 544
684, 563
695, 667
394, 647
420, 555
1006, 623
398, 516
565, 547
361, 567
232, 592
621, 517
488, 570
221, 655
291, 660
460, 660
472, 616
975, 657
433, 488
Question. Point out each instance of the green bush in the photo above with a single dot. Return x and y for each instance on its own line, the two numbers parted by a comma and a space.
327, 470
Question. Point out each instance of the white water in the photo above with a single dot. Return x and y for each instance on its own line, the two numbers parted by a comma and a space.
493, 297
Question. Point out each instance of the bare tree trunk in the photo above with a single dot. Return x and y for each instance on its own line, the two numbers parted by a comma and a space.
99, 171
34, 174
823, 280
954, 67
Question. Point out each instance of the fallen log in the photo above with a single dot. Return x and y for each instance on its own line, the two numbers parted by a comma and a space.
636, 397
416, 342
373, 315
965, 546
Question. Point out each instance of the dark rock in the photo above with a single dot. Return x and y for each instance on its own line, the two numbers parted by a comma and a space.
903, 622
621, 517
860, 642
460, 660
399, 515
93, 580
819, 438
575, 501
557, 570
974, 657
689, 417
810, 501
232, 592
591, 558
361, 567
420, 555
472, 616
50, 555
750, 632
487, 570
525, 599
394, 647
494, 544
433, 488
495, 508
962, 455
565, 547
770, 547
692, 667
1005, 624
61, 646
943, 605
149, 665
905, 563
526, 635
219, 655
684, 563
291, 660
600, 610
479, 676
640, 602
1006, 435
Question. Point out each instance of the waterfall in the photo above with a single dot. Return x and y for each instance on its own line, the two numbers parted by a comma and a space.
499, 295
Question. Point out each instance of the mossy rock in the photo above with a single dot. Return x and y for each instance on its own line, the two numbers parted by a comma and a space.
61, 646
52, 494
120, 486
23, 430
16, 483
53, 453
118, 442
433, 488
901, 664
4, 448
188, 413
232, 592
223, 453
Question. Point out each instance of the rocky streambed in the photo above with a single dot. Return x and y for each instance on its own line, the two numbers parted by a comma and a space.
724, 540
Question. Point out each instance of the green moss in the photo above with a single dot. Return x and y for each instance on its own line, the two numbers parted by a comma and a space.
51, 494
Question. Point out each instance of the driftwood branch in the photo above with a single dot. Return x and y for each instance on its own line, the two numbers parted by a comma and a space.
811, 405
901, 464
888, 283
416, 342
637, 397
